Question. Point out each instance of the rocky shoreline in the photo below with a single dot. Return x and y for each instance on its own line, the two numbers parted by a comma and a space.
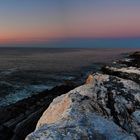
19, 119
106, 107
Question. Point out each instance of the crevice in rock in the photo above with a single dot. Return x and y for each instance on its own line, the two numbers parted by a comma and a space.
110, 105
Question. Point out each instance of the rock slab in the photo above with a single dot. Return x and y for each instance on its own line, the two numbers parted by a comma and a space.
106, 107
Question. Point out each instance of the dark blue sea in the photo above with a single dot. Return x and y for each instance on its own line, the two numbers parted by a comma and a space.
25, 71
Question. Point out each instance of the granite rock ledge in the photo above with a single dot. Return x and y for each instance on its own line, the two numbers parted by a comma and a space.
106, 107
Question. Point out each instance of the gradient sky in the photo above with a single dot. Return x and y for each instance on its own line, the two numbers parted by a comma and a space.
42, 20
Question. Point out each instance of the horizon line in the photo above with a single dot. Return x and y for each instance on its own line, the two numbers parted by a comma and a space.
43, 40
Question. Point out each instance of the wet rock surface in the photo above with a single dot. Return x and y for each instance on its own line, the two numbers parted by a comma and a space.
106, 107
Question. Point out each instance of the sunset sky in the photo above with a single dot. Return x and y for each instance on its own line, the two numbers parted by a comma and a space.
44, 20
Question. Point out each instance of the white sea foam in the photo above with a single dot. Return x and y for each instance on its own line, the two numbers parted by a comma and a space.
20, 94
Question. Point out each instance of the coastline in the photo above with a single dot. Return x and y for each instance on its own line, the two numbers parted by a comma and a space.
23, 71
15, 119
108, 102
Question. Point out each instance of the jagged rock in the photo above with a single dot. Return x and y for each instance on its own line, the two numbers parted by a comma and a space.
89, 79
131, 73
132, 60
135, 55
106, 107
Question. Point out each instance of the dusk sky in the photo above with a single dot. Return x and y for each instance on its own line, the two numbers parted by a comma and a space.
42, 20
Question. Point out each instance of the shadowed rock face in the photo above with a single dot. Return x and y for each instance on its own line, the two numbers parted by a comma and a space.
20, 119
107, 107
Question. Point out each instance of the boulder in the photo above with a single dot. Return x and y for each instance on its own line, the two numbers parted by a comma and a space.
104, 108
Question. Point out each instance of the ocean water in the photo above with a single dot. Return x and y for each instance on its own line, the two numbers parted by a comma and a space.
28, 71
95, 43
83, 43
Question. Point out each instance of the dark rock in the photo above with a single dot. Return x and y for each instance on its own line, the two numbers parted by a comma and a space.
19, 119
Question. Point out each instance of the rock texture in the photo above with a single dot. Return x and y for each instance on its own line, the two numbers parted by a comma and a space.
20, 119
106, 107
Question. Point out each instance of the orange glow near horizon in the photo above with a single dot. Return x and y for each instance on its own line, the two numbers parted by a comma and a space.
39, 21
104, 32
101, 28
